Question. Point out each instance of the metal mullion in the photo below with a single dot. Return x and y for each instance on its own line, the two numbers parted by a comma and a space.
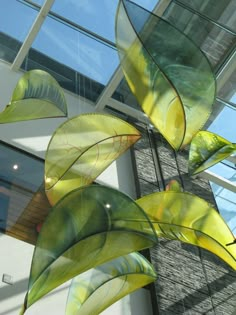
109, 89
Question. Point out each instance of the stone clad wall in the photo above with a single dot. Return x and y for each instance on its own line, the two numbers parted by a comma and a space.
190, 280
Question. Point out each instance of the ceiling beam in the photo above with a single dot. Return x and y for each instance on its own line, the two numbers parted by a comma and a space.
109, 89
219, 180
130, 111
32, 34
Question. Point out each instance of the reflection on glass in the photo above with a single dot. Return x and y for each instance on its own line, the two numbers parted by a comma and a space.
124, 95
214, 41
223, 12
76, 50
22, 199
226, 82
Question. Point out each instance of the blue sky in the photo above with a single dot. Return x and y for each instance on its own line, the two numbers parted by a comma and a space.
225, 124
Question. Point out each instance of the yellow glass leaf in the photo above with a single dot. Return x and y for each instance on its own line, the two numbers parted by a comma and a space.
169, 75
155, 94
95, 290
36, 95
81, 148
190, 219
207, 149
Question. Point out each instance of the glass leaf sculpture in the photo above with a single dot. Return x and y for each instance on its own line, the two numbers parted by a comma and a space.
81, 148
207, 149
190, 219
95, 290
36, 95
88, 227
169, 75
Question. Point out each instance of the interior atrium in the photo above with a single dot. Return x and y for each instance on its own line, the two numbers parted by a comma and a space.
75, 41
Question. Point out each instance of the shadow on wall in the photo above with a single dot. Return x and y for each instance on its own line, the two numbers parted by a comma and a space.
216, 286
144, 306
20, 287
210, 287
14, 289
125, 175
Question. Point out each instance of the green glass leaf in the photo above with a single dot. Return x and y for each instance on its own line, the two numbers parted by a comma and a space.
95, 290
82, 148
88, 227
169, 75
190, 219
207, 149
173, 185
36, 95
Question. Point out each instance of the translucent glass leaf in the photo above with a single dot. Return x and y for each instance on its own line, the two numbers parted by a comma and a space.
169, 75
207, 149
81, 148
95, 290
190, 219
174, 185
86, 228
36, 95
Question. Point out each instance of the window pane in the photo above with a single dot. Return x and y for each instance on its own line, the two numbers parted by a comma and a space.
213, 40
226, 82
97, 16
225, 171
224, 124
218, 10
226, 203
22, 198
16, 21
76, 50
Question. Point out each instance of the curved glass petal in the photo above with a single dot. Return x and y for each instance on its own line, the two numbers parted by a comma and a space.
36, 95
206, 150
95, 290
88, 227
190, 219
169, 75
81, 148
154, 92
